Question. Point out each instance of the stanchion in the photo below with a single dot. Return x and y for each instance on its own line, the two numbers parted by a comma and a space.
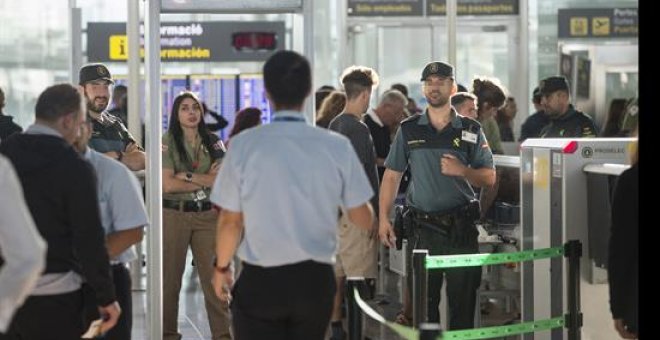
354, 315
420, 286
429, 331
382, 274
573, 251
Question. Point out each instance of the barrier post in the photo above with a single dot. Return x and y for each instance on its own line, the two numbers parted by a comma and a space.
573, 251
420, 286
354, 314
429, 331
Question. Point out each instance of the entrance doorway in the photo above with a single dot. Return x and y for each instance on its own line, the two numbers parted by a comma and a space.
400, 49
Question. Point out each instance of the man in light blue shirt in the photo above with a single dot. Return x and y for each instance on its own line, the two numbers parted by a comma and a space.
123, 215
280, 188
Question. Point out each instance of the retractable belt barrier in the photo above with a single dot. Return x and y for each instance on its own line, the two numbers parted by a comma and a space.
573, 320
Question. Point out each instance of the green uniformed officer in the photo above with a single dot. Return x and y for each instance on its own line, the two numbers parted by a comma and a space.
565, 121
446, 153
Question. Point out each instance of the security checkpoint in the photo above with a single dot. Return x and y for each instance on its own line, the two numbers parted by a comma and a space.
561, 182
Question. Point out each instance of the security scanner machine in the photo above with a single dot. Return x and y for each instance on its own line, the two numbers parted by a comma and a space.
555, 209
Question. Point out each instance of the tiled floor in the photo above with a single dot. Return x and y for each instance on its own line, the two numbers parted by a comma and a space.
193, 323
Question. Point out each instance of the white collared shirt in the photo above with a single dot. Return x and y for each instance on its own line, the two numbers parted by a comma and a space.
120, 199
289, 180
23, 249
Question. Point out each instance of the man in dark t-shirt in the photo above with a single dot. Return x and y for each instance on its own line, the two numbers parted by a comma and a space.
357, 253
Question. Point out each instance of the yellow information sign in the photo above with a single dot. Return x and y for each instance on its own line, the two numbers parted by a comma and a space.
579, 26
600, 25
118, 47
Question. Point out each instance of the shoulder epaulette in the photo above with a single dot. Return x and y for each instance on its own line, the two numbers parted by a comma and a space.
470, 124
413, 118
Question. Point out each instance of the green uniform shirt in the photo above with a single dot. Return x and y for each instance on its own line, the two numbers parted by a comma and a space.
420, 146
573, 124
171, 160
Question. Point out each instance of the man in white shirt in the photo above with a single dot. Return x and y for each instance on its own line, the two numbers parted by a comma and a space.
22, 249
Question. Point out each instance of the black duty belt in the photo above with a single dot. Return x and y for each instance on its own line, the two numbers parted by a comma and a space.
187, 206
445, 219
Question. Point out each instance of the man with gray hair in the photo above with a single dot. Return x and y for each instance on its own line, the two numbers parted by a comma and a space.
60, 191
389, 112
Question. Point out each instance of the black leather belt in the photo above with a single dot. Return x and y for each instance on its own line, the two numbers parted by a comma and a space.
445, 219
187, 206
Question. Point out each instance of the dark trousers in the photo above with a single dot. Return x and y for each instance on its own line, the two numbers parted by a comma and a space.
122, 280
462, 283
283, 303
48, 317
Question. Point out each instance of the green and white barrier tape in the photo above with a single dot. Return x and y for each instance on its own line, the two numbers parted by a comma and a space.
473, 260
499, 331
405, 332
409, 333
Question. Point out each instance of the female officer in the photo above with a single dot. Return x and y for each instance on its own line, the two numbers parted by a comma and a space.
191, 158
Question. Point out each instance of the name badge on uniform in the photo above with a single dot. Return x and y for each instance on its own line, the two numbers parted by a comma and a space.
469, 137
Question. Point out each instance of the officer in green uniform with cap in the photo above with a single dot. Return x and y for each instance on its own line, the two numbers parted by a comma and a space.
109, 135
565, 120
446, 154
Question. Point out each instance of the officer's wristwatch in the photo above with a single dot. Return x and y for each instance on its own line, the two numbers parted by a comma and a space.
189, 176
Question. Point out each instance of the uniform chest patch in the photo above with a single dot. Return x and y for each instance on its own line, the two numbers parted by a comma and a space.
416, 141
469, 136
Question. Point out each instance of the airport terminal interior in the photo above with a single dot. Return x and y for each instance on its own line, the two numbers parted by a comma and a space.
549, 191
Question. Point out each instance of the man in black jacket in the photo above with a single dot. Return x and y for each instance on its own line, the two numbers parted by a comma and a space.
7, 126
565, 120
60, 191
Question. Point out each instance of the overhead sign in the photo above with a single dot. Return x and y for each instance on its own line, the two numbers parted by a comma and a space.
230, 6
598, 23
370, 8
430, 7
219, 41
474, 7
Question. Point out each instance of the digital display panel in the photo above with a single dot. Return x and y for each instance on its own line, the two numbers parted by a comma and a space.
254, 41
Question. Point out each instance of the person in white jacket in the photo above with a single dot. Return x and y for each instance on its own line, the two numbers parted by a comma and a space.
22, 249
